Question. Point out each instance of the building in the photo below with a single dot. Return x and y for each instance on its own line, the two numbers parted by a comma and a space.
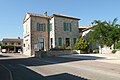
12, 45
84, 32
43, 32
63, 30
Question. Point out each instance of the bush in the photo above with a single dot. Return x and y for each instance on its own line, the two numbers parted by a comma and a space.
118, 45
81, 44
114, 51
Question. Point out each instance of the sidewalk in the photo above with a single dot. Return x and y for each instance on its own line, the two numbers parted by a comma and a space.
5, 74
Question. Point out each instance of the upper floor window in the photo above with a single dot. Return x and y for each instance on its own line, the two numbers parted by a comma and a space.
67, 26
19, 44
41, 27
50, 27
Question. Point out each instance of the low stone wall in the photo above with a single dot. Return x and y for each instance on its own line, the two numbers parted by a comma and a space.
55, 53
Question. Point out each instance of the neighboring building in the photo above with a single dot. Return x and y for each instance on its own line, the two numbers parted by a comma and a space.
84, 32
15, 43
42, 32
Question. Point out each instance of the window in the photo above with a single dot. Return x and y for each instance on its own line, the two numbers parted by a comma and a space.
60, 41
19, 44
67, 42
74, 40
5, 43
23, 45
26, 28
41, 27
67, 27
51, 42
41, 43
12, 43
51, 27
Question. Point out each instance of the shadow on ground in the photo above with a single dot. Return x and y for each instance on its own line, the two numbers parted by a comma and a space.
2, 56
23, 73
33, 61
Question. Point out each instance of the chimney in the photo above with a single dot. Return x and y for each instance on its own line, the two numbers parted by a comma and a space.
18, 37
45, 13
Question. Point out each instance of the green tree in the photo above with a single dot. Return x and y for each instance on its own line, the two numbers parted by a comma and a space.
106, 33
99, 33
81, 44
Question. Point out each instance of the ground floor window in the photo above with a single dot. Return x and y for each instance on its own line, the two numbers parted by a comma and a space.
74, 40
60, 41
41, 44
51, 40
67, 42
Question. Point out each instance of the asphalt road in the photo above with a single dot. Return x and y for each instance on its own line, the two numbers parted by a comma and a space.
59, 68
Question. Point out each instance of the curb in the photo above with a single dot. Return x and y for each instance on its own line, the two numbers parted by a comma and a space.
10, 73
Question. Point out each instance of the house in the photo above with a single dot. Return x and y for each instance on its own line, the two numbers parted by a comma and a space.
43, 32
12, 45
84, 32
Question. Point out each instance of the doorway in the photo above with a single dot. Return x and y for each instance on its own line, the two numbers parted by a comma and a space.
67, 42
41, 44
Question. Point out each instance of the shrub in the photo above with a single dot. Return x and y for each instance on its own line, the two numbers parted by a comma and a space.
114, 51
118, 45
81, 44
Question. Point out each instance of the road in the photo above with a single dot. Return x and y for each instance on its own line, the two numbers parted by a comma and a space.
59, 68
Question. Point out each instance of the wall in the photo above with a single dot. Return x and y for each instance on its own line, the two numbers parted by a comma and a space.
27, 36
36, 35
59, 30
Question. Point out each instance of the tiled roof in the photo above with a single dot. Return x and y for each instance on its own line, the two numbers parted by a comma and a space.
38, 15
65, 16
12, 40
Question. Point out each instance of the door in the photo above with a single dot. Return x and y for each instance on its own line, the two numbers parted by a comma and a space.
41, 44
67, 42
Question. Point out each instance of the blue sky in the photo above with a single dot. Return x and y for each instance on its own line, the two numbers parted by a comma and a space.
12, 12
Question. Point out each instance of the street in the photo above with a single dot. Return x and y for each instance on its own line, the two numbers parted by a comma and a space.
59, 68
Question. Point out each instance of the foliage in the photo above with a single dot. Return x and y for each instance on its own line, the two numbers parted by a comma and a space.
7, 46
117, 45
114, 51
105, 33
81, 44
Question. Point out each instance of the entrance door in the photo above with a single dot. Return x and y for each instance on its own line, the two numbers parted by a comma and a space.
41, 43
67, 42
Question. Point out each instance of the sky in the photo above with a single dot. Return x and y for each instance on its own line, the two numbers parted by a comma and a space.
12, 12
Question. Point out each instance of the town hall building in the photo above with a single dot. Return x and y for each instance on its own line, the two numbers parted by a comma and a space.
43, 32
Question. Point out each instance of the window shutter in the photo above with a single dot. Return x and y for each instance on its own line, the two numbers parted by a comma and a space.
60, 41
38, 27
64, 26
48, 27
51, 27
70, 27
44, 27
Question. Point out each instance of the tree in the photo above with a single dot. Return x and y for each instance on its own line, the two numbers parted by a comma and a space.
81, 44
106, 33
99, 33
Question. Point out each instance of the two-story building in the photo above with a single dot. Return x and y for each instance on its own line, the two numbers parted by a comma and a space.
13, 45
42, 32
